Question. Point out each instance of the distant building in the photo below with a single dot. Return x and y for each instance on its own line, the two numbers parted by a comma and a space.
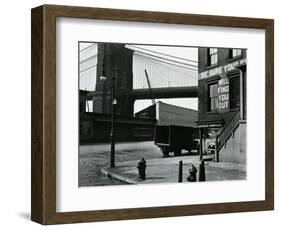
167, 114
95, 127
222, 101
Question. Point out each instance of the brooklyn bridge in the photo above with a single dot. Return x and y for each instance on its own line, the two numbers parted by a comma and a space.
131, 73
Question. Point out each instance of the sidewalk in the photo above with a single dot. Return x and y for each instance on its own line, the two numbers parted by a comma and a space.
165, 170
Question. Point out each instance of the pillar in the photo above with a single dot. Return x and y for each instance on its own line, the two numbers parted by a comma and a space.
241, 95
201, 143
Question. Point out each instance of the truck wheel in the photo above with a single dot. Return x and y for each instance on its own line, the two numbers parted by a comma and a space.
165, 152
177, 152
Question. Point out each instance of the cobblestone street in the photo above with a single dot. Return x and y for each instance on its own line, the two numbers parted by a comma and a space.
94, 157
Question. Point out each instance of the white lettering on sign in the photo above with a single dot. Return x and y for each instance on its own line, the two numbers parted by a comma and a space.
230, 66
223, 105
223, 95
221, 69
223, 89
223, 81
216, 71
211, 125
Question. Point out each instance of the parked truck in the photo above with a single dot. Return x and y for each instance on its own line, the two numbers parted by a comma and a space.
172, 138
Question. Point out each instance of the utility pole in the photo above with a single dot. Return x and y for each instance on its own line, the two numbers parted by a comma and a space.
113, 103
112, 133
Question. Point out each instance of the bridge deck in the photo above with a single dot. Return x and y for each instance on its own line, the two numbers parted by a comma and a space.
172, 92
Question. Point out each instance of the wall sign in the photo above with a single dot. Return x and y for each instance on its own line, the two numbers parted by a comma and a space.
221, 69
223, 95
210, 125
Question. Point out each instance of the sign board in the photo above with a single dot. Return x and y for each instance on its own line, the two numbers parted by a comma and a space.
210, 125
221, 69
223, 95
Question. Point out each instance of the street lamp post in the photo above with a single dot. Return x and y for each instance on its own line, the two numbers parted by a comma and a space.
112, 133
113, 103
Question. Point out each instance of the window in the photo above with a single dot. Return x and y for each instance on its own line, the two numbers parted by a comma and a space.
212, 56
89, 106
213, 97
234, 53
234, 93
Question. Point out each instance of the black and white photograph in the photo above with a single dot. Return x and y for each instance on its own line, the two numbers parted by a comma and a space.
151, 114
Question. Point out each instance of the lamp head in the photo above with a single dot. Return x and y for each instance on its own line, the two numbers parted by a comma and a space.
102, 78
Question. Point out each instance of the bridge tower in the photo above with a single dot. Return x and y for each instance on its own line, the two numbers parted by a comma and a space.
114, 59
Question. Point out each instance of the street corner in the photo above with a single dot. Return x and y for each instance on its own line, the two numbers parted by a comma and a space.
124, 173
227, 165
131, 172
154, 171
225, 171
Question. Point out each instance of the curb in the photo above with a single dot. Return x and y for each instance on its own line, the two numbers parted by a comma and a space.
228, 166
106, 172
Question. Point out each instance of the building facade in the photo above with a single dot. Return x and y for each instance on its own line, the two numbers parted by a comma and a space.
222, 103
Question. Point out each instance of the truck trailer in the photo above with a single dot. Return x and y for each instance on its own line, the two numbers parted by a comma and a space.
172, 138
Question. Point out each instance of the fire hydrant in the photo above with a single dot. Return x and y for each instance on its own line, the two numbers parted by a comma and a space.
141, 167
192, 174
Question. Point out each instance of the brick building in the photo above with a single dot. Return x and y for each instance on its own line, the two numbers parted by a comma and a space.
222, 101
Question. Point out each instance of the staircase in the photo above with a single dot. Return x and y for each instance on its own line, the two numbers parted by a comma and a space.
228, 130
231, 143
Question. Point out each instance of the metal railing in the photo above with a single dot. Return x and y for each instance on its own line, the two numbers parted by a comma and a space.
228, 130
